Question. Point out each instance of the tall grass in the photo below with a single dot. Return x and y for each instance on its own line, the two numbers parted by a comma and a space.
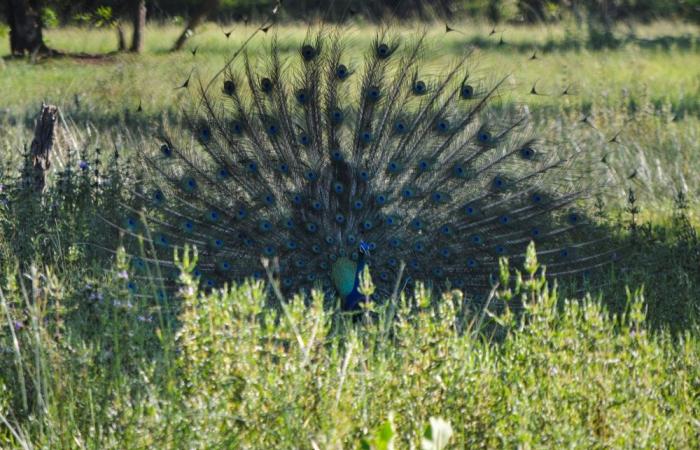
243, 371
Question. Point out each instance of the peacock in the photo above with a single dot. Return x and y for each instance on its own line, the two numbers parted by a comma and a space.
331, 161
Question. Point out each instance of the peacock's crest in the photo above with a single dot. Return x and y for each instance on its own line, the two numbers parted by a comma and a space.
329, 161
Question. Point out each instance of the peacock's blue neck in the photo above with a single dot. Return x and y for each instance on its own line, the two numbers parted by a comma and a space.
346, 278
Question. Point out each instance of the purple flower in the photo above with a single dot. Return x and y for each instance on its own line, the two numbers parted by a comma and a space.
123, 275
84, 165
18, 325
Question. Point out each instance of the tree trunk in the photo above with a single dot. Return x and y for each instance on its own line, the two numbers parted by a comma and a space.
25, 27
205, 7
139, 21
121, 40
44, 136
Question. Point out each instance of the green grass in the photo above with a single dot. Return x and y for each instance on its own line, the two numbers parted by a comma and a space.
87, 362
245, 371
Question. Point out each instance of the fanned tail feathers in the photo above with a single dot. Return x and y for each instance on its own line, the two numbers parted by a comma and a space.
324, 164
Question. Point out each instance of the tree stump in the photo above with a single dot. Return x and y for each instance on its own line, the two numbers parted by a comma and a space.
40, 151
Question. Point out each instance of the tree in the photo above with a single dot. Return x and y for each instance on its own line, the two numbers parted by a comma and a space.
26, 35
139, 20
205, 8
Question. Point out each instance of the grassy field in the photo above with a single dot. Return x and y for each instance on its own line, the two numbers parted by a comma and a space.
87, 363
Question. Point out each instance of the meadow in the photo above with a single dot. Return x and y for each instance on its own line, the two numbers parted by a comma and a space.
87, 363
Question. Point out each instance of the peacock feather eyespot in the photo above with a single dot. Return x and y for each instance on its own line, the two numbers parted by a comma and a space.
446, 230
304, 139
527, 153
337, 116
132, 287
265, 225
339, 218
188, 226
241, 213
336, 155
498, 183
213, 216
308, 52
291, 245
383, 51
317, 205
323, 265
408, 193
217, 243
400, 127
500, 250
197, 272
364, 175
535, 232
288, 223
341, 72
311, 175
311, 277
390, 220
297, 199
131, 224
166, 150
414, 264
357, 204
372, 246
373, 93
138, 263
266, 85
423, 165
367, 225
302, 96
351, 239
573, 218
330, 240
283, 167
190, 184
229, 87
466, 92
484, 137
225, 266
269, 250
237, 127
437, 197
536, 198
393, 167
392, 262
419, 88
311, 227
384, 276
204, 134
471, 263
504, 219
438, 272
287, 282
395, 242
272, 129
269, 199
338, 187
417, 224
470, 210
476, 239
223, 174
366, 137
162, 240
459, 171
158, 197
380, 199
316, 248
442, 125
564, 253
419, 247
252, 167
